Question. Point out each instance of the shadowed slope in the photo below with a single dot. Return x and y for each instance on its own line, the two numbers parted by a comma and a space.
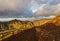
26, 35
49, 32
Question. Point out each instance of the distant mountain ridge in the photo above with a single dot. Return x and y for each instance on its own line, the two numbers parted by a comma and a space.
18, 24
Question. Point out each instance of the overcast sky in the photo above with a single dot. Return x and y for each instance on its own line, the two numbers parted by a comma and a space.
29, 8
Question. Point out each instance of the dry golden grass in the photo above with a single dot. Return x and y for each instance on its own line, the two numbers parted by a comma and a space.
40, 22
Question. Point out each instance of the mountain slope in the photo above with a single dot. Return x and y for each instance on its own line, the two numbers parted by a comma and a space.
46, 29
56, 20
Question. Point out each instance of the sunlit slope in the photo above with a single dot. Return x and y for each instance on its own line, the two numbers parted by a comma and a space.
40, 22
19, 25
13, 27
15, 24
56, 20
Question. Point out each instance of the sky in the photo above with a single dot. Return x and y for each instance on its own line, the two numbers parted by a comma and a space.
29, 8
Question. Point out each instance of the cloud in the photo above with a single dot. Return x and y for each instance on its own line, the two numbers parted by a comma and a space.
49, 17
29, 19
18, 8
7, 4
14, 4
23, 19
57, 9
48, 10
15, 8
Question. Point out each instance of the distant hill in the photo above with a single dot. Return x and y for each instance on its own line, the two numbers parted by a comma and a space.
18, 24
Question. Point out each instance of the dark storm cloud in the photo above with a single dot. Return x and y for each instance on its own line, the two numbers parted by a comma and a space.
21, 8
14, 8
